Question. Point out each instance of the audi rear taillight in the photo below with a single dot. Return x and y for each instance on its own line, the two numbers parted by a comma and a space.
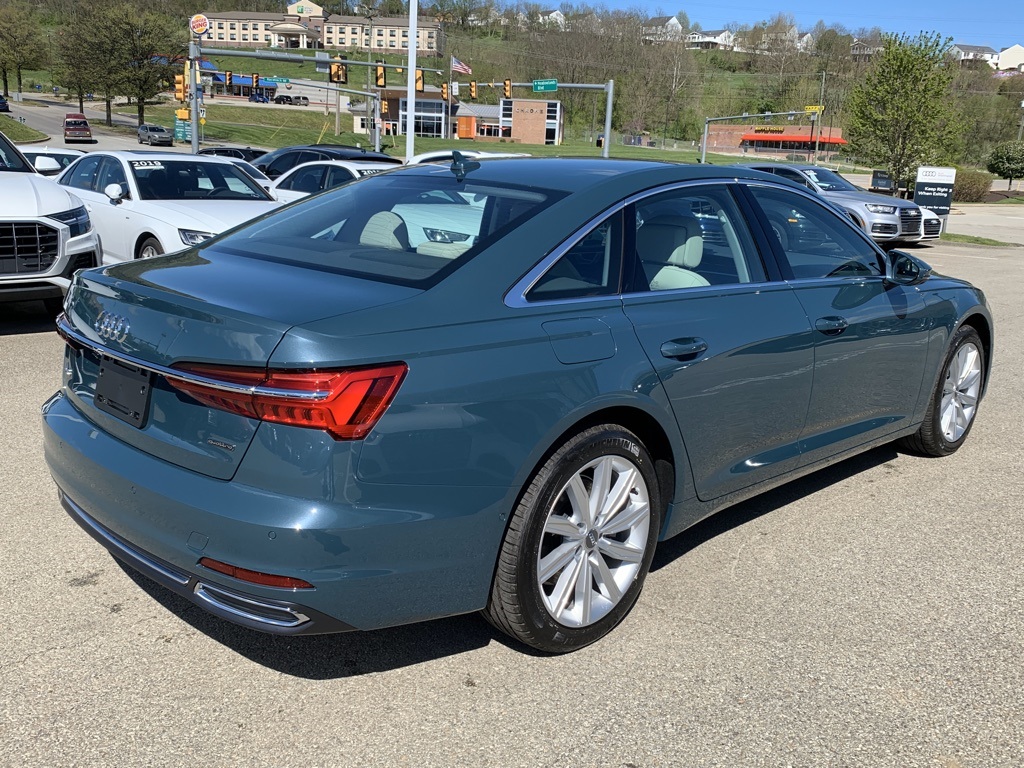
344, 403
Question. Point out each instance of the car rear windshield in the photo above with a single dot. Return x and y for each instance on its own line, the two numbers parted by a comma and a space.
394, 227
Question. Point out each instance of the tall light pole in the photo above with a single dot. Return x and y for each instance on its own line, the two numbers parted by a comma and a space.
369, 12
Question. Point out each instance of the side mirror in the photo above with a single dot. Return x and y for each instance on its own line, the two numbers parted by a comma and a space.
115, 192
903, 269
46, 165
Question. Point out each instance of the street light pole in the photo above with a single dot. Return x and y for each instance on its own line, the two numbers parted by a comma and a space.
370, 12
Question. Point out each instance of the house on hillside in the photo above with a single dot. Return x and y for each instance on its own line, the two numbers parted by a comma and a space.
554, 19
862, 51
971, 54
805, 41
662, 29
711, 39
1011, 58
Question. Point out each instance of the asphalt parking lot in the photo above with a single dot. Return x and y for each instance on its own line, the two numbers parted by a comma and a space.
869, 615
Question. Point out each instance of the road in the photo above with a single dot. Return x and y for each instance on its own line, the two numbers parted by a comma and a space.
869, 615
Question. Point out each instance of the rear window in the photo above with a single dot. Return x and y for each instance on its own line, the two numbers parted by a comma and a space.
396, 227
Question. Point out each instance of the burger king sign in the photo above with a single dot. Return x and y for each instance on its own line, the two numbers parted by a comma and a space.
199, 25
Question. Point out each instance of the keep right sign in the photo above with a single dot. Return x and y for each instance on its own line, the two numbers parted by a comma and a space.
934, 188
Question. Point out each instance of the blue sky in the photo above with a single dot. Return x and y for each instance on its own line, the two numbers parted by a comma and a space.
996, 24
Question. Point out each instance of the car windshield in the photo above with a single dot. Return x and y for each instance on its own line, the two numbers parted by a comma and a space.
10, 159
156, 129
76, 124
829, 181
399, 228
192, 180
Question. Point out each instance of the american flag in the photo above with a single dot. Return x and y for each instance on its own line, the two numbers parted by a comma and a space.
458, 66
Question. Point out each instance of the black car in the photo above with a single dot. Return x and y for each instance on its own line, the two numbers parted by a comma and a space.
280, 160
241, 153
4, 106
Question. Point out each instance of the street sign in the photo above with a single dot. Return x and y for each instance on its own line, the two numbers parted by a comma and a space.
323, 62
202, 121
455, 89
202, 113
814, 108
934, 189
279, 80
545, 86
182, 129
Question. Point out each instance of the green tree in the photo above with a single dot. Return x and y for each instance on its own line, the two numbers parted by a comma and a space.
1007, 161
22, 44
902, 113
146, 43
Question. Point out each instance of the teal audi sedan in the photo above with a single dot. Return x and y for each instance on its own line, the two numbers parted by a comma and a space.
490, 386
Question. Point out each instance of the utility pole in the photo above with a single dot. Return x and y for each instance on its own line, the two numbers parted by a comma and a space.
193, 99
818, 121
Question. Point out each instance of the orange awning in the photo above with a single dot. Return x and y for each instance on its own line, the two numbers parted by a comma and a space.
798, 137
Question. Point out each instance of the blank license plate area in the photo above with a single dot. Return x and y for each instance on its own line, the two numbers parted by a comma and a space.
123, 391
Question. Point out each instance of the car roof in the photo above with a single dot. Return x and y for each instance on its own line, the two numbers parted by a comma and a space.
52, 150
142, 154
352, 165
575, 174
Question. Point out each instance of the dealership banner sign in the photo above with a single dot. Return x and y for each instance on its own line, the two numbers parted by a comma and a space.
934, 189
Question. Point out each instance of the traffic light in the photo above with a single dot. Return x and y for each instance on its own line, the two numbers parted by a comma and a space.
444, 91
255, 80
180, 92
472, 89
508, 89
419, 81
383, 106
339, 73
382, 77
229, 79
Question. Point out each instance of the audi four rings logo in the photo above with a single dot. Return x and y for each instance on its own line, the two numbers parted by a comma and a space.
112, 327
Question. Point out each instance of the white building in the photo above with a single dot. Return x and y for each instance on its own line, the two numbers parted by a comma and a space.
722, 39
662, 29
1011, 58
971, 53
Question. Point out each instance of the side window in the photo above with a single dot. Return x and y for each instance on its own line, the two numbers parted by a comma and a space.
306, 179
337, 176
111, 172
83, 175
589, 268
282, 164
790, 175
817, 241
690, 238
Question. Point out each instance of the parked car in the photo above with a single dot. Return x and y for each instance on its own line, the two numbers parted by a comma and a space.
280, 160
4, 106
310, 425
445, 155
62, 157
46, 234
147, 203
298, 101
259, 98
886, 219
155, 135
76, 128
310, 178
242, 153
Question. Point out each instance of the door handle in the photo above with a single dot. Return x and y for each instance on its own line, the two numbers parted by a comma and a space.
832, 325
683, 349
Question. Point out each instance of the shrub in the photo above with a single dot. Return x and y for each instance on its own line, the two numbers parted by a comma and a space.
971, 186
1007, 161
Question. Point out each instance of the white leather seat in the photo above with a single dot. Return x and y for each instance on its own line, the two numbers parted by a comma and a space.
385, 230
670, 249
443, 250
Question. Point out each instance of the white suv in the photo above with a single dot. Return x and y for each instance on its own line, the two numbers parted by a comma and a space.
45, 232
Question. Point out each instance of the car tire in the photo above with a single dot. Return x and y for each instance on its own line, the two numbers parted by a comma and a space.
954, 401
140, 140
148, 248
565, 579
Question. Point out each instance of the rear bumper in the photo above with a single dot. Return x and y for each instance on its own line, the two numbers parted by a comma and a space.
281, 617
377, 555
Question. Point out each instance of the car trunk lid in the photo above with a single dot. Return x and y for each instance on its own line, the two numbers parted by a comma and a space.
131, 325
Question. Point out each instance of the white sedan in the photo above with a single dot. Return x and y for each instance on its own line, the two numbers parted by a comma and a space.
310, 178
146, 203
